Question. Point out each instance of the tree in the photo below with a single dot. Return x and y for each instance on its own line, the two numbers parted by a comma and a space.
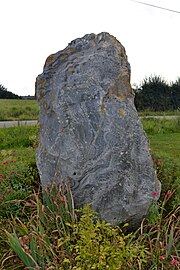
155, 94
5, 94
175, 92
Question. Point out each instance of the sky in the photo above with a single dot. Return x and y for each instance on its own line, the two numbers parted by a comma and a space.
30, 30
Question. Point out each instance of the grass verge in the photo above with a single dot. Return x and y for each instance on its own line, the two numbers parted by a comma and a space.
49, 236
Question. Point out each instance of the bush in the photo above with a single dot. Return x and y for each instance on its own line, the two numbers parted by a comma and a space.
155, 94
54, 238
97, 245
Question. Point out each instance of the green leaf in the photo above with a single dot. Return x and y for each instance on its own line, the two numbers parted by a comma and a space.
13, 242
170, 242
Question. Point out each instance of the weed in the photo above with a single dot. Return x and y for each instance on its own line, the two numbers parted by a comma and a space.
48, 235
54, 238
169, 175
159, 232
36, 243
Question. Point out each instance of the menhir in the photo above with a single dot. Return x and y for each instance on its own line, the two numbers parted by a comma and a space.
90, 135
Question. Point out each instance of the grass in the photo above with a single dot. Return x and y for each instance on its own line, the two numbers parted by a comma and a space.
17, 109
165, 113
17, 166
41, 237
164, 136
18, 137
166, 145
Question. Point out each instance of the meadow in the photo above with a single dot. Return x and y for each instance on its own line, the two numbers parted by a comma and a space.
49, 235
18, 109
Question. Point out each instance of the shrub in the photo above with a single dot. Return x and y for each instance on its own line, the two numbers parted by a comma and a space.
54, 238
97, 245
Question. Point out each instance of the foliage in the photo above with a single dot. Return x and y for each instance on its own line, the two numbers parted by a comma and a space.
97, 245
17, 182
40, 241
168, 173
18, 172
15, 137
155, 94
49, 236
161, 126
18, 109
160, 234
54, 238
4, 94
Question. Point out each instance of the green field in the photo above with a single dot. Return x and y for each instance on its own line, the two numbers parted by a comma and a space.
166, 145
18, 109
165, 113
66, 243
164, 136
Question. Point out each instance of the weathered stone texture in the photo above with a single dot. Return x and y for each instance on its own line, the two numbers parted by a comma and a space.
89, 131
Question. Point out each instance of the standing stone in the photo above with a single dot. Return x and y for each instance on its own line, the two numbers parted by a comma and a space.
89, 132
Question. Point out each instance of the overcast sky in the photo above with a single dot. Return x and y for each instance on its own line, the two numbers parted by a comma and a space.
33, 29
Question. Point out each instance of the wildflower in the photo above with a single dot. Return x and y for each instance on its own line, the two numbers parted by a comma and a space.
154, 193
169, 193
13, 172
1, 176
175, 262
159, 164
162, 257
5, 163
155, 161
9, 191
2, 197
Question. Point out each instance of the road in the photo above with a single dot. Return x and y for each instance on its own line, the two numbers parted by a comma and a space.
17, 123
34, 122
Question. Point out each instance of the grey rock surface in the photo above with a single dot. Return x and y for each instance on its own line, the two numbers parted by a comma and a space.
89, 132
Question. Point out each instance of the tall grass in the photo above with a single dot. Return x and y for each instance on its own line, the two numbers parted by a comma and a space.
53, 238
17, 109
155, 126
36, 234
16, 137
